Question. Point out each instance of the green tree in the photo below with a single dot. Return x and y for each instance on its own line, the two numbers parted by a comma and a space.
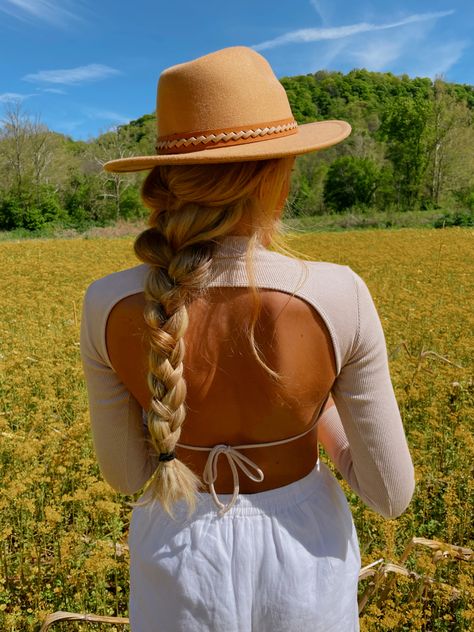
405, 129
117, 143
32, 211
350, 181
82, 198
300, 95
451, 127
307, 186
32, 168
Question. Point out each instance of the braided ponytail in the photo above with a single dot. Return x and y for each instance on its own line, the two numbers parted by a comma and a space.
192, 207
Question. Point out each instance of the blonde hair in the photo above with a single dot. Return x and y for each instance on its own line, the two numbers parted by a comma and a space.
192, 208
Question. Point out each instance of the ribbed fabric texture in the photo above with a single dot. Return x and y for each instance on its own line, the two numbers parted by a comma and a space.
364, 437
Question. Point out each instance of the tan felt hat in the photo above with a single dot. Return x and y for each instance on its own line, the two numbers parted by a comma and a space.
227, 107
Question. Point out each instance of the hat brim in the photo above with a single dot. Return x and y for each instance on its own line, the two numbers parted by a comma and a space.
309, 137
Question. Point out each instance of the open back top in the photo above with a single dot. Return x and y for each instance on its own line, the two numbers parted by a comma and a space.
367, 441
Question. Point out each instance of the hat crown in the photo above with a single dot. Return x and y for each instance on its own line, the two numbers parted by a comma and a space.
231, 89
227, 106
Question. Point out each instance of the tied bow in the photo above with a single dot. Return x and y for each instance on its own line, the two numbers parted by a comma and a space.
234, 458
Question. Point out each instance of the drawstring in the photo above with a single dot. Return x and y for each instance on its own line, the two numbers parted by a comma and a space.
234, 459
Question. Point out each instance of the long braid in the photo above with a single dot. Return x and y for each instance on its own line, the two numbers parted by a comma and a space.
179, 270
178, 248
176, 274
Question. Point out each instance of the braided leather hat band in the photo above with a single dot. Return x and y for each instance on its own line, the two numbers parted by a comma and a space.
219, 138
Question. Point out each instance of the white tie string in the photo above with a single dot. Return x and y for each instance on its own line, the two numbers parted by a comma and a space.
234, 458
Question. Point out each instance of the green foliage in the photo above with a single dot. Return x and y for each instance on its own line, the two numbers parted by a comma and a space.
412, 147
300, 96
142, 133
458, 218
350, 181
306, 187
11, 211
131, 204
32, 211
404, 128
49, 206
410, 128
80, 199
465, 198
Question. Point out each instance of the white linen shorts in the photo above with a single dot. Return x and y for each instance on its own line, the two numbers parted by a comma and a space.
283, 560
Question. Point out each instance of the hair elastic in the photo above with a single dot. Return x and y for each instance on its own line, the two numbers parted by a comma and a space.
167, 456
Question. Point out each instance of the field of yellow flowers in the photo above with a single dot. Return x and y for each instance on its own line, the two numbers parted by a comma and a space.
63, 531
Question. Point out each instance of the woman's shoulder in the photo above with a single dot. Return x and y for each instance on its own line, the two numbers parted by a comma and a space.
112, 288
100, 298
322, 278
104, 293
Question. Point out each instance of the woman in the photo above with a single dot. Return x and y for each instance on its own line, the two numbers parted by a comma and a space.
225, 369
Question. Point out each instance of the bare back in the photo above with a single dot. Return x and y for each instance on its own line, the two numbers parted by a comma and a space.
231, 398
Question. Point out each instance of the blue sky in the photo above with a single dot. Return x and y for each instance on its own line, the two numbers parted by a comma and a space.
85, 66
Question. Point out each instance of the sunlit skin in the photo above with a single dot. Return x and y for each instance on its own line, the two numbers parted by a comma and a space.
230, 398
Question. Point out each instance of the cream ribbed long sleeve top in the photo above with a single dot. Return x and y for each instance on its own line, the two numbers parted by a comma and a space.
363, 434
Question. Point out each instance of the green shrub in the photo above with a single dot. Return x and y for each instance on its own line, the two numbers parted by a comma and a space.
458, 218
350, 181
31, 210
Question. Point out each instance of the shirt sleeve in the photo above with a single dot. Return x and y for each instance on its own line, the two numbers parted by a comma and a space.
120, 440
364, 434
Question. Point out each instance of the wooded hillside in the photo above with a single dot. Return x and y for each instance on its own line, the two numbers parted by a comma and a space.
412, 147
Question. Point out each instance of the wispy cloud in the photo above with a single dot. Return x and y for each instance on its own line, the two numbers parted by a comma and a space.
409, 50
106, 115
68, 126
71, 76
339, 32
440, 58
54, 90
379, 54
321, 9
9, 97
44, 10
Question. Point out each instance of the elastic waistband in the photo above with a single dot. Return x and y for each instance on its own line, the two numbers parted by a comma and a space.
271, 500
